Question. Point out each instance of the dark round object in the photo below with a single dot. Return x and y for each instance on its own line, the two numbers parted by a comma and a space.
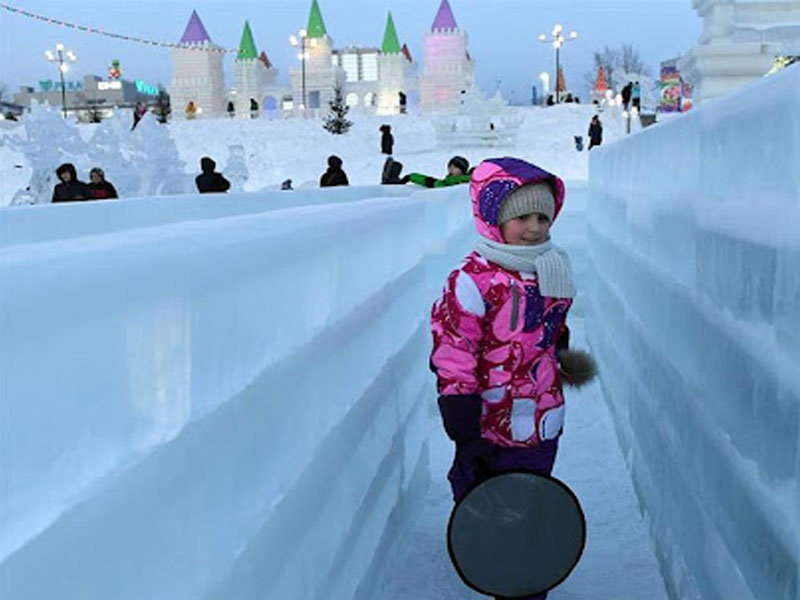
516, 535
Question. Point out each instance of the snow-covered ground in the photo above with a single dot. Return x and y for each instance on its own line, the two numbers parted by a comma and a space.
272, 150
618, 561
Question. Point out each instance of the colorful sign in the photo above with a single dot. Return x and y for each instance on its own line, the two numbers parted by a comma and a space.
676, 94
143, 88
48, 85
104, 86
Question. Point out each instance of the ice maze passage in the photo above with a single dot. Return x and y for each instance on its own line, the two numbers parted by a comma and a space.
694, 248
216, 397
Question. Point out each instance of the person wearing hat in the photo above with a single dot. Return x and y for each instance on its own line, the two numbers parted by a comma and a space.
69, 188
457, 172
209, 181
334, 175
99, 188
500, 338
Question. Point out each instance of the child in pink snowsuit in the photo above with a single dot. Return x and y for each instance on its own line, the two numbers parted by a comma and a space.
498, 328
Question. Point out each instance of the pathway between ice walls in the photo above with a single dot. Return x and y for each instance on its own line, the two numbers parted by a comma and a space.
695, 320
208, 398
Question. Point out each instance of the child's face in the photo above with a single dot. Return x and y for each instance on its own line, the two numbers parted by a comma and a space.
65, 176
527, 230
454, 170
96, 178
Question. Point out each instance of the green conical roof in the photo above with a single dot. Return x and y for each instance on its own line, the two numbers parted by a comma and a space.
316, 26
247, 48
390, 43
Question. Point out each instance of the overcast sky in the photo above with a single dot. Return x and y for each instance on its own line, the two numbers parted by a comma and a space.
503, 34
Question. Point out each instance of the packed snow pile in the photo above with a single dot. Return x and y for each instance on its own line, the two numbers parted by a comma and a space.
140, 162
259, 154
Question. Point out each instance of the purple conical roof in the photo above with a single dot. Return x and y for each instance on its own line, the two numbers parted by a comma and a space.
444, 18
195, 33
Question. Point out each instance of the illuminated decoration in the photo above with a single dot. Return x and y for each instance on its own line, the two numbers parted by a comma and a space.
197, 76
48, 85
119, 36
675, 94
143, 88
105, 86
561, 83
114, 71
600, 83
448, 70
781, 62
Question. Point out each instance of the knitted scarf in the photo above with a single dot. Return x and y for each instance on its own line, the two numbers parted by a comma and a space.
548, 261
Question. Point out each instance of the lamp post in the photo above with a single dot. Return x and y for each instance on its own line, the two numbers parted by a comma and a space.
63, 57
300, 40
558, 40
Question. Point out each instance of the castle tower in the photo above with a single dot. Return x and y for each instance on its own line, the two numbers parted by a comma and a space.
197, 72
253, 75
321, 76
448, 69
396, 72
739, 43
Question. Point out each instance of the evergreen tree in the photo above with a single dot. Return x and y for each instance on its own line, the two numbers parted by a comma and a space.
336, 121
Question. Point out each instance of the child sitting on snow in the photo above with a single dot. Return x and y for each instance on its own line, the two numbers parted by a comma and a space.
499, 331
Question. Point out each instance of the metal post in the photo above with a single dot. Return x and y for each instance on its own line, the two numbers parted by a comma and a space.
303, 51
558, 95
63, 85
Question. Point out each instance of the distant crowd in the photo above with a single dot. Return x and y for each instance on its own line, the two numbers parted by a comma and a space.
70, 188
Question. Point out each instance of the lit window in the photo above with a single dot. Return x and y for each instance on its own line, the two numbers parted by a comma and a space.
352, 99
369, 67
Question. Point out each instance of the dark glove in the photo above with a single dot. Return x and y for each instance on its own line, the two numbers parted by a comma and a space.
405, 179
461, 414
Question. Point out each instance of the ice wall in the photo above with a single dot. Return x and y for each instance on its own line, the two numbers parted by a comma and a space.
208, 400
695, 319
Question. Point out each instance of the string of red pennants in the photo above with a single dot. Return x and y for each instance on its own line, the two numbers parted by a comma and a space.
110, 34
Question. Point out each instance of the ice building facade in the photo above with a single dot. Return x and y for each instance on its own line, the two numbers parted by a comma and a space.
197, 75
739, 43
449, 70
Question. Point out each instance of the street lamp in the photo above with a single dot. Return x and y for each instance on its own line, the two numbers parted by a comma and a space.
557, 39
300, 40
63, 57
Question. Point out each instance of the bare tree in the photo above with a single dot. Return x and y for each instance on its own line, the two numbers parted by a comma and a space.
625, 59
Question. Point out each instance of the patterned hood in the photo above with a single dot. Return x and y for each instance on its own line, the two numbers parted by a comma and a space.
494, 179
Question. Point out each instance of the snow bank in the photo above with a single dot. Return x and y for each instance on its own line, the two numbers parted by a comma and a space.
226, 407
695, 320
259, 154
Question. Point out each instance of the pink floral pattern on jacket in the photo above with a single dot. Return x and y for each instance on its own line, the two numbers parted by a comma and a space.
494, 334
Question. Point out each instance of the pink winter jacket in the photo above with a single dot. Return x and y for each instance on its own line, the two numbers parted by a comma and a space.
493, 332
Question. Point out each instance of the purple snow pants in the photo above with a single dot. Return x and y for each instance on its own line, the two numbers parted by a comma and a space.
477, 461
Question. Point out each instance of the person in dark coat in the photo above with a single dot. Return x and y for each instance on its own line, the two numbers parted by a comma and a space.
387, 139
139, 111
391, 171
626, 94
70, 188
99, 188
209, 181
334, 175
595, 132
